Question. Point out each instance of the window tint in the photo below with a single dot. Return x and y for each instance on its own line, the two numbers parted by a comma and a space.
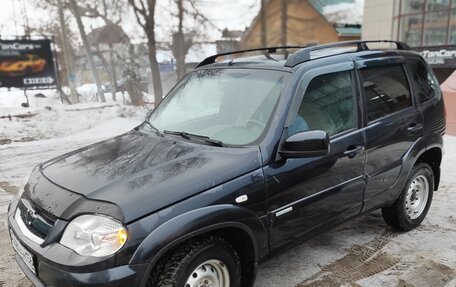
424, 81
327, 105
386, 90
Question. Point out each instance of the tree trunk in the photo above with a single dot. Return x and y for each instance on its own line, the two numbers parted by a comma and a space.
113, 75
132, 80
284, 20
67, 56
180, 43
108, 69
264, 30
155, 70
87, 49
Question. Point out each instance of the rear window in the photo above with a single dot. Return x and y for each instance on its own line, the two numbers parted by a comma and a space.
386, 90
424, 81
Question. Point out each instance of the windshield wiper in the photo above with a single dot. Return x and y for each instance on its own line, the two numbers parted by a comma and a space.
156, 131
189, 136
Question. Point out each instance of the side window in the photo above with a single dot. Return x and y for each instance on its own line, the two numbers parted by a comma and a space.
386, 90
327, 105
424, 81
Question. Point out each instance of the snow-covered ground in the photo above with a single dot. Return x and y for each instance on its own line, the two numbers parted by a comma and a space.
47, 118
364, 252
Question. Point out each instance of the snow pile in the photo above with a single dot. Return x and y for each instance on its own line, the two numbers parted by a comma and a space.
345, 13
48, 118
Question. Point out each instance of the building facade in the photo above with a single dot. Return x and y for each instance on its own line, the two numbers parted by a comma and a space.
428, 26
305, 24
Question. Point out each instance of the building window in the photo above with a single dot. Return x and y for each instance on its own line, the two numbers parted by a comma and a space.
437, 5
435, 28
426, 22
411, 29
452, 29
412, 6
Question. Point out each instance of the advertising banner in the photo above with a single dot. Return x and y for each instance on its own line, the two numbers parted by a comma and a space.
439, 56
27, 64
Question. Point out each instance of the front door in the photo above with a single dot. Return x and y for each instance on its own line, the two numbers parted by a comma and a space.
305, 193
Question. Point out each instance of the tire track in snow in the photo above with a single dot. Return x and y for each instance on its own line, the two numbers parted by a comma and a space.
361, 261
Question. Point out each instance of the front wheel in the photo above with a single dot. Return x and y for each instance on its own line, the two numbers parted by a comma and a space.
410, 209
205, 262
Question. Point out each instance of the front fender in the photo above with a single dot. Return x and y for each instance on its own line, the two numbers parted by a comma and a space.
197, 222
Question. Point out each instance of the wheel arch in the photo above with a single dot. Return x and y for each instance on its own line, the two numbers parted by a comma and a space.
239, 226
433, 157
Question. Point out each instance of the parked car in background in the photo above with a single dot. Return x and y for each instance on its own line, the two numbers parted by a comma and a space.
243, 159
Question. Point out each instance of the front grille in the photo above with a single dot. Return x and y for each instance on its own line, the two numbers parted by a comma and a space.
32, 228
47, 215
34, 222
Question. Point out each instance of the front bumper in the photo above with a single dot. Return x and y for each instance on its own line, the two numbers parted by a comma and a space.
57, 265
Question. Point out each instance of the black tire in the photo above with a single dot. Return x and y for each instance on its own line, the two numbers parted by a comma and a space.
396, 214
174, 270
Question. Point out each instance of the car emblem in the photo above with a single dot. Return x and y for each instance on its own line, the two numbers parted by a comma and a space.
30, 216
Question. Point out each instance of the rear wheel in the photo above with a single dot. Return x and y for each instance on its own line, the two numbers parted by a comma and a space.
205, 262
412, 206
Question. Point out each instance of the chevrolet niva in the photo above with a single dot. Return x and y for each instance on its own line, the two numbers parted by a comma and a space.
244, 158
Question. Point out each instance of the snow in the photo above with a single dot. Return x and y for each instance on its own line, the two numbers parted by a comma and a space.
51, 119
345, 13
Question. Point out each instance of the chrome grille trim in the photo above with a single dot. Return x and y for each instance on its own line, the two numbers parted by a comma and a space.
27, 233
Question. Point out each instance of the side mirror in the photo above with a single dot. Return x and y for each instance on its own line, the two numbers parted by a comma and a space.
305, 144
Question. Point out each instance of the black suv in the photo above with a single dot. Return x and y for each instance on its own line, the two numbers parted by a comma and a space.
242, 159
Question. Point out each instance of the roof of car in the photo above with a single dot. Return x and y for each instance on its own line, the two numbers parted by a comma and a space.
331, 53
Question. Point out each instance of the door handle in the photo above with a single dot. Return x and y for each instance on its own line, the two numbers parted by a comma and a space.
352, 151
413, 127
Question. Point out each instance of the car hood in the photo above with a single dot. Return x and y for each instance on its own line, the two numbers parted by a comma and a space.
143, 173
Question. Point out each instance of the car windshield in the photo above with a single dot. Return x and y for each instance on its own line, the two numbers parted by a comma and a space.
232, 106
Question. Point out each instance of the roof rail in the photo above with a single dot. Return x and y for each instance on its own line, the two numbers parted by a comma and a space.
303, 55
211, 59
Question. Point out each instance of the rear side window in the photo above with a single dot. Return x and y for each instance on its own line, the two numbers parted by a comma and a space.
327, 105
424, 81
386, 90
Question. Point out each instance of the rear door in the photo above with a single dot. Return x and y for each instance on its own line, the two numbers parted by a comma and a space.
393, 124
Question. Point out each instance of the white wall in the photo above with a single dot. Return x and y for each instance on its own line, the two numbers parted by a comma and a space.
378, 20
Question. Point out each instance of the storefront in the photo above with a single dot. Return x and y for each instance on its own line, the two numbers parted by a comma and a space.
430, 27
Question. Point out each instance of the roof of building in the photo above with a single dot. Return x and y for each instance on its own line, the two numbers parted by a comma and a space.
335, 12
348, 30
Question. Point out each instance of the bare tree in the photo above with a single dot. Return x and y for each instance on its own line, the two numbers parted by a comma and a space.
111, 15
145, 15
179, 42
284, 21
67, 55
264, 40
77, 15
183, 40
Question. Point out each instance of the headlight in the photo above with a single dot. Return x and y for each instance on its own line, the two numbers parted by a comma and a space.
94, 235
23, 184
